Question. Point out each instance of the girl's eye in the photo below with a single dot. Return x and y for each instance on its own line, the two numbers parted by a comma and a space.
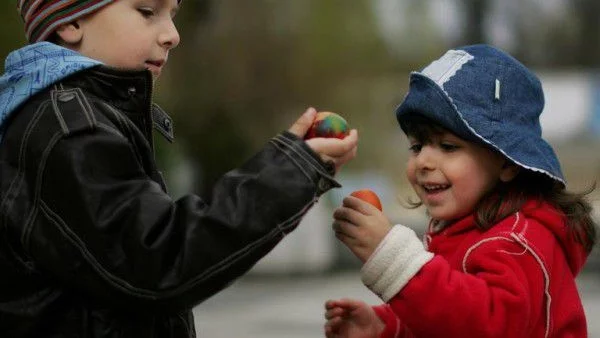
146, 11
415, 148
448, 146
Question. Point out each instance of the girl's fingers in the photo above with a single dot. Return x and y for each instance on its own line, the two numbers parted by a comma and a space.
347, 214
335, 312
330, 304
332, 326
347, 241
349, 304
344, 231
362, 207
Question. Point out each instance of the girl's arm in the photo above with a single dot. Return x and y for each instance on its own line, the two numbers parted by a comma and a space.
501, 294
393, 325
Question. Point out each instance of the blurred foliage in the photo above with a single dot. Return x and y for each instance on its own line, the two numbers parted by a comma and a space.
257, 65
541, 39
11, 34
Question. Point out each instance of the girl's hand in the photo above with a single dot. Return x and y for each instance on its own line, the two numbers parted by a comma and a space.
360, 226
348, 318
331, 150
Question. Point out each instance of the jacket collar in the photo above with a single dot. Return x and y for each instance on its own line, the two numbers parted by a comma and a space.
130, 92
455, 227
540, 212
36, 67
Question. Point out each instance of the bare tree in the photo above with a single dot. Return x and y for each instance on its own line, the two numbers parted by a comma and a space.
588, 48
475, 13
247, 69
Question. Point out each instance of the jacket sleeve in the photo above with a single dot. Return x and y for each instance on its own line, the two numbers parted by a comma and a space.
105, 228
500, 293
393, 326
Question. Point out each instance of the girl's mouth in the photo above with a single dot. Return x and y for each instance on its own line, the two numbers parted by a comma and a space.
434, 188
433, 194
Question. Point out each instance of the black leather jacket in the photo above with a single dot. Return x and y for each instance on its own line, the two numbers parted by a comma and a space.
91, 245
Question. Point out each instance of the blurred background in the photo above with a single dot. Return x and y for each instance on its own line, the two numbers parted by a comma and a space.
245, 70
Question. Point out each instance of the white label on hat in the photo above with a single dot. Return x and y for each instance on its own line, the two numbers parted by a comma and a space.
442, 69
497, 93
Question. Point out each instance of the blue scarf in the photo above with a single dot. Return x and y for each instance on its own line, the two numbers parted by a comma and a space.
32, 69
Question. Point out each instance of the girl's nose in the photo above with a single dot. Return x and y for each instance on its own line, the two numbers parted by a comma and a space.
170, 36
426, 158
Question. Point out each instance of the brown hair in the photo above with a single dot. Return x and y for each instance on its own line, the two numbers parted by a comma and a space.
508, 197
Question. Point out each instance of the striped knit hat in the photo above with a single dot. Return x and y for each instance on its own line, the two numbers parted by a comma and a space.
42, 17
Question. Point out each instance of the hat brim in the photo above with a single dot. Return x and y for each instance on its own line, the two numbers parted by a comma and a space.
528, 150
426, 98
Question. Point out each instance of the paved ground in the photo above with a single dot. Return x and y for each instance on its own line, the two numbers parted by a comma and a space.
292, 307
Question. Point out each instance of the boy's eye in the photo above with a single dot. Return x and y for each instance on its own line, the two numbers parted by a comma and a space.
146, 11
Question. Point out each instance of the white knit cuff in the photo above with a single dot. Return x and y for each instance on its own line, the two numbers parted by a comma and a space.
394, 262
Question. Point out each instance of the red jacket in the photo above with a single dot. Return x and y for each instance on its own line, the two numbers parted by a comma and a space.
515, 280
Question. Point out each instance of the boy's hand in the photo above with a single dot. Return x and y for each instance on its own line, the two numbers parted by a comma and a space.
329, 149
348, 318
360, 226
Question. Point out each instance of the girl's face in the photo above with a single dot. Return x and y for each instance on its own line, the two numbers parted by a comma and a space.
450, 175
130, 34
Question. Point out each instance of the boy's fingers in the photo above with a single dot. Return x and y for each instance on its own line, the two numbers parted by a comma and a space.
334, 147
340, 161
301, 126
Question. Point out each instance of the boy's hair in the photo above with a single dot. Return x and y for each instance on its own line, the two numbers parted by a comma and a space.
509, 197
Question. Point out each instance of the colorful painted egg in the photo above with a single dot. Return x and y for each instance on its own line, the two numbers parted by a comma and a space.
328, 125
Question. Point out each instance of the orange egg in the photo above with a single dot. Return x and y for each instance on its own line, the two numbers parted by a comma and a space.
368, 195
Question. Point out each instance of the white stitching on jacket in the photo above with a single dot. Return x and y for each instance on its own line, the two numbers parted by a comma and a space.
519, 238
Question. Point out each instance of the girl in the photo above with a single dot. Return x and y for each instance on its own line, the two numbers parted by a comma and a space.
505, 241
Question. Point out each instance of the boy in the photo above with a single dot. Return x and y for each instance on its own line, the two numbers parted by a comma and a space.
91, 245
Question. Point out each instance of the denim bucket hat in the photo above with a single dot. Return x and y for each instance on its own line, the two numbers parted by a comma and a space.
484, 95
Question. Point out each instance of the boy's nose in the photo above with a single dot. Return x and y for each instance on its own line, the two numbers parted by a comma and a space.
170, 36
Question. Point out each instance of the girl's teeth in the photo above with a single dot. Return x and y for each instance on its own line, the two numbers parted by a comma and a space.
435, 187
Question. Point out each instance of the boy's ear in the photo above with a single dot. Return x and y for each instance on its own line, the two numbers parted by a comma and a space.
509, 171
70, 33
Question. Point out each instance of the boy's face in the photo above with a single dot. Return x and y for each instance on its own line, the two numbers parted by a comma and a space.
450, 175
130, 34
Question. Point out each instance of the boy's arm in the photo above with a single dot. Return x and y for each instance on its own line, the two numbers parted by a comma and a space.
104, 227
